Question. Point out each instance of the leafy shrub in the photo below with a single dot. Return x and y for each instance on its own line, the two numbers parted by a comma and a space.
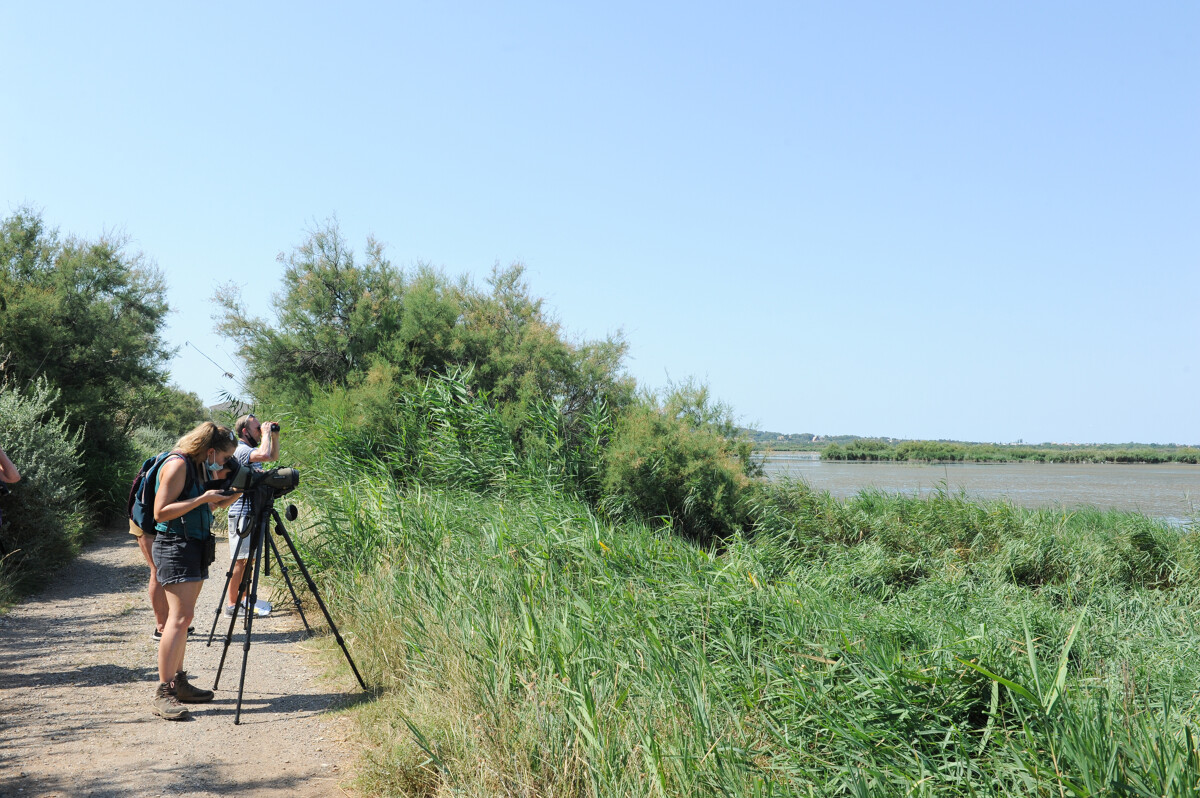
149, 441
44, 518
680, 460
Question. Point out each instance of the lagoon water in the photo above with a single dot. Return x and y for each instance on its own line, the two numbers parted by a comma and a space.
1170, 492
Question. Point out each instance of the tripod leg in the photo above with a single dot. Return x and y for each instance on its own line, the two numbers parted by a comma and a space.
283, 569
243, 589
258, 557
253, 544
282, 531
225, 588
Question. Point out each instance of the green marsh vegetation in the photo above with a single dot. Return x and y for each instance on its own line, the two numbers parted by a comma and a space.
561, 586
525, 643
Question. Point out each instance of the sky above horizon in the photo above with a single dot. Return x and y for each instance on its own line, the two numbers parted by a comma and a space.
919, 220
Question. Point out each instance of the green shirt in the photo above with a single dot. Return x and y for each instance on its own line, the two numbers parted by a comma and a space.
197, 522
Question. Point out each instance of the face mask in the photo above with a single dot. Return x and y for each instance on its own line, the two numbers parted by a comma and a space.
213, 467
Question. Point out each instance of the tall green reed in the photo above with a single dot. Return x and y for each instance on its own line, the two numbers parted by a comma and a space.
883, 645
532, 649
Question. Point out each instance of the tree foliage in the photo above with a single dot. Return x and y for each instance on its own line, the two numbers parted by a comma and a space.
339, 319
333, 315
87, 316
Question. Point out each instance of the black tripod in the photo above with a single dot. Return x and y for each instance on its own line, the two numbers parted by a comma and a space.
261, 543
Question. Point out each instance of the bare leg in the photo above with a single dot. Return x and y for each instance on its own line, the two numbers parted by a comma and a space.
158, 597
239, 570
241, 553
181, 601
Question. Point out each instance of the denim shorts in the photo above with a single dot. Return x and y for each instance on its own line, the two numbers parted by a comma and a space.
179, 559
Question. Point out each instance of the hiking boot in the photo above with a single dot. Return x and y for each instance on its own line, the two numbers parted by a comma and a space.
166, 705
188, 693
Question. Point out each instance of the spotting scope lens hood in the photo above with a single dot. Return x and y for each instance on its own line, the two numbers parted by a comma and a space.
281, 480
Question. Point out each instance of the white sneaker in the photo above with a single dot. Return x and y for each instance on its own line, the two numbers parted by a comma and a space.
261, 608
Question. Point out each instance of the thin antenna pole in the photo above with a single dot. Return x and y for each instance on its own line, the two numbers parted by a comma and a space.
210, 360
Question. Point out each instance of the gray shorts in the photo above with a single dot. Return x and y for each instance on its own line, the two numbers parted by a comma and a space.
179, 559
239, 533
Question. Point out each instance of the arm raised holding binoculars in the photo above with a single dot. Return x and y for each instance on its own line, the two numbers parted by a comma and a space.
267, 449
258, 443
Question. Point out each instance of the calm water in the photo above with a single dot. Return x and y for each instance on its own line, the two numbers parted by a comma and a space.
1171, 492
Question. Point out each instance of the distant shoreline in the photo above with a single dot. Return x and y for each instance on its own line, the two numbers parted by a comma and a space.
877, 450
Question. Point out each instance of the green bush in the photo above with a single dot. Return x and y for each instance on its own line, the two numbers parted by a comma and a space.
44, 518
679, 461
149, 441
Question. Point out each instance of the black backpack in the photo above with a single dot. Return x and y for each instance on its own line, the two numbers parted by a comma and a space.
140, 506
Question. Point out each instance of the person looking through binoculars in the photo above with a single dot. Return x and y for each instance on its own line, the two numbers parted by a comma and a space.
258, 443
183, 548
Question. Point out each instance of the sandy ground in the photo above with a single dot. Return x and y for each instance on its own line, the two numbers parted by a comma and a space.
78, 671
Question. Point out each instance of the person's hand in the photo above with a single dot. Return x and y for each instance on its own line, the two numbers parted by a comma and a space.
213, 496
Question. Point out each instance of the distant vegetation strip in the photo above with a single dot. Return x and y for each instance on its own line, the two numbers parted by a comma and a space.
849, 448
940, 451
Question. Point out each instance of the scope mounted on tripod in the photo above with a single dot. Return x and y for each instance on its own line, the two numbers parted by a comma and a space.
261, 489
279, 480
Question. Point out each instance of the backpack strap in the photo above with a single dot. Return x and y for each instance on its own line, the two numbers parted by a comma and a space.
150, 489
190, 477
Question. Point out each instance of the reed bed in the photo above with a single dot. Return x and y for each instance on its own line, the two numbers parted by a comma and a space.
880, 646
523, 643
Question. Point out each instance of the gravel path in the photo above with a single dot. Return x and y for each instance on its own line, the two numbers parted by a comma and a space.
78, 670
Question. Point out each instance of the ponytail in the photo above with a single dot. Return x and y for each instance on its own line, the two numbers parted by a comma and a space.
205, 436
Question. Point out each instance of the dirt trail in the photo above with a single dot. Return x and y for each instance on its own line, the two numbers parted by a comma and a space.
77, 673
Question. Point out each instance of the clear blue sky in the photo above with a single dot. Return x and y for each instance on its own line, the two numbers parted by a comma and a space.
921, 220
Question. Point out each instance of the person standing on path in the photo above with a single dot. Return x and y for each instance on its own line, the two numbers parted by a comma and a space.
158, 597
183, 549
253, 449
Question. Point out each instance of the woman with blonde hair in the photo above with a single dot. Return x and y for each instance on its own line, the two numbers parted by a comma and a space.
183, 549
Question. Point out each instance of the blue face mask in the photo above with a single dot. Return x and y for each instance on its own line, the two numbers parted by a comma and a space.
213, 467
